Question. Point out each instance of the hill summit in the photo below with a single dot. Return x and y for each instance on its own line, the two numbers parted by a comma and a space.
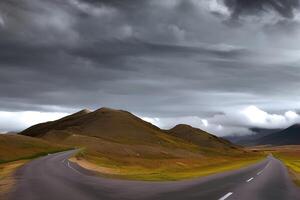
106, 123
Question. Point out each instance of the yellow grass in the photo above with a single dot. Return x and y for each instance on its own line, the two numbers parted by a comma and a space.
162, 169
291, 158
17, 147
155, 162
293, 164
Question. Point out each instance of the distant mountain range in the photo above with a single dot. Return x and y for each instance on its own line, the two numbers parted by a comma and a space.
288, 136
251, 140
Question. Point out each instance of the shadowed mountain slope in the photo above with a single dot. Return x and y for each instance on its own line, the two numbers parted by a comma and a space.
288, 136
251, 140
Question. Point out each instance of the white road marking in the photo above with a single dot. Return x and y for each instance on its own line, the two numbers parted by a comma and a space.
73, 168
226, 196
63, 161
259, 173
250, 179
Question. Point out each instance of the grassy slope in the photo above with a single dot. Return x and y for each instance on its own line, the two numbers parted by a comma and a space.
17, 147
203, 139
113, 125
145, 162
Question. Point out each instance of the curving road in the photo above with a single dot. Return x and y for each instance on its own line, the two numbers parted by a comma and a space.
53, 177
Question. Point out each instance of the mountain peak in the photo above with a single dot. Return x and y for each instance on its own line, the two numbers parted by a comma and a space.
83, 111
86, 110
106, 123
78, 114
295, 126
183, 126
106, 109
186, 127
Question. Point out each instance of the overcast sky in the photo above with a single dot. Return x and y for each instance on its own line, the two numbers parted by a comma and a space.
221, 65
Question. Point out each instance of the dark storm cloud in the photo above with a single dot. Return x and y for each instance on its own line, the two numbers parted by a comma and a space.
173, 56
129, 48
285, 8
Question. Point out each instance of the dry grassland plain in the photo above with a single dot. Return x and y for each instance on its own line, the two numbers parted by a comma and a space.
156, 163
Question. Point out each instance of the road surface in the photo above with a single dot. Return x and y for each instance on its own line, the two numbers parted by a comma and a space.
53, 177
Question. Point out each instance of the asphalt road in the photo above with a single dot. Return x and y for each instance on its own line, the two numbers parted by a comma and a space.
53, 177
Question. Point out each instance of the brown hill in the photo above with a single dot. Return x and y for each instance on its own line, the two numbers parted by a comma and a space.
116, 135
201, 138
41, 129
125, 128
105, 123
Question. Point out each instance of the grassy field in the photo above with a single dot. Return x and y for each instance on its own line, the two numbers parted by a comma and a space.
145, 162
163, 169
